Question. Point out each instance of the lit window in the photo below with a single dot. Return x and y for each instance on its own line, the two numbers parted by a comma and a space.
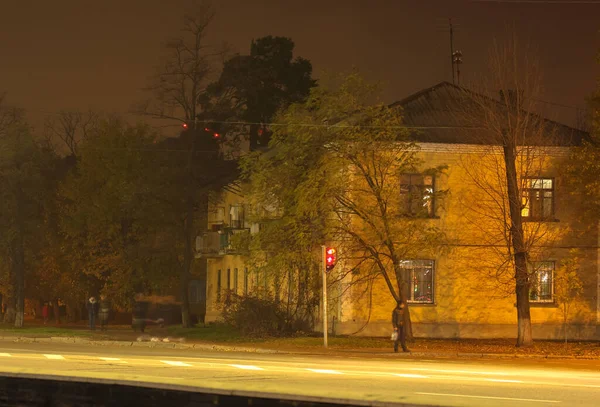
418, 275
417, 195
542, 281
537, 199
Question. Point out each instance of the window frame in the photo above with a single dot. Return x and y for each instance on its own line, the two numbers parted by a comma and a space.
410, 282
526, 193
535, 272
235, 280
409, 211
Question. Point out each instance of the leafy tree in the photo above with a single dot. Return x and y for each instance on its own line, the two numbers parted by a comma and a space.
110, 215
333, 171
22, 169
568, 286
255, 87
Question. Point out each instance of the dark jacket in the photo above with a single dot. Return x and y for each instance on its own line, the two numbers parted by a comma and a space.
398, 317
140, 309
92, 308
104, 308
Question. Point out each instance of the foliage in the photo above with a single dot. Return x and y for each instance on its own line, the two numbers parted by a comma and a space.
256, 316
110, 215
568, 287
23, 169
255, 87
332, 175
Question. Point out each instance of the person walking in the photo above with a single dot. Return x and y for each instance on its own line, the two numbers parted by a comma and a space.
398, 323
92, 307
104, 312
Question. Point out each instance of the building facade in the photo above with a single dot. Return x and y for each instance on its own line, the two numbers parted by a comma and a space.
467, 289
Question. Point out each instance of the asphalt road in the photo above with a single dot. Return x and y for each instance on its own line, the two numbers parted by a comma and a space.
387, 378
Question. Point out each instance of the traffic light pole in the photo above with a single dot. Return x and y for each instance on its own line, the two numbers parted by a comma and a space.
324, 272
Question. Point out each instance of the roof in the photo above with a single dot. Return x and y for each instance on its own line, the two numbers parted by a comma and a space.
435, 115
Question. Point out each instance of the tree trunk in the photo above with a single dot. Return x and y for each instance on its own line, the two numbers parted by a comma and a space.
56, 311
400, 281
187, 263
19, 268
524, 337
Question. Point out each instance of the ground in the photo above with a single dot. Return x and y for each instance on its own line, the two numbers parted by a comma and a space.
220, 334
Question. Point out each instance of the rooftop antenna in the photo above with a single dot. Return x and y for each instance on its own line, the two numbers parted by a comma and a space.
455, 56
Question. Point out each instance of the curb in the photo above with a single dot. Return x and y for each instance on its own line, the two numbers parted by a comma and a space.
139, 344
225, 348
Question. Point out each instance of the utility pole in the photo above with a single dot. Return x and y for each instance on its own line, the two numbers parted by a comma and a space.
324, 273
452, 49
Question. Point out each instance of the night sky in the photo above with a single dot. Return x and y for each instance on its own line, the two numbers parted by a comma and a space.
99, 54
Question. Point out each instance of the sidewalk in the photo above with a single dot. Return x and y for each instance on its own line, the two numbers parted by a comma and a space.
208, 339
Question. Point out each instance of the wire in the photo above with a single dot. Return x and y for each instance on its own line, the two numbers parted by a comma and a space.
595, 2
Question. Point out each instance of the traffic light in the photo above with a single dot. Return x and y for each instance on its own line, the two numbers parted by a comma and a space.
330, 258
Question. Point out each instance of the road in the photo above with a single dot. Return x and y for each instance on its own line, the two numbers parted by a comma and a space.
388, 378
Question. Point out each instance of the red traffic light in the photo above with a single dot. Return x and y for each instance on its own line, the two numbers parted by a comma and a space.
185, 126
330, 258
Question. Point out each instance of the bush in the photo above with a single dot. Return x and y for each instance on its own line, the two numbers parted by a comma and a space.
256, 316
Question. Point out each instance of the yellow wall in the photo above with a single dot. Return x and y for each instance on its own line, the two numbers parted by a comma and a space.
465, 288
467, 297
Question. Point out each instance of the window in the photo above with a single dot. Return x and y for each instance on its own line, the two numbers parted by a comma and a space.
228, 279
235, 280
219, 285
418, 275
246, 281
236, 216
538, 199
542, 281
417, 195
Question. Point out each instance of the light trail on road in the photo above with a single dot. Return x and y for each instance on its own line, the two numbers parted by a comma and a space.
444, 382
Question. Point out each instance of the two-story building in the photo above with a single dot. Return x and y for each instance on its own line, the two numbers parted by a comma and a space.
465, 291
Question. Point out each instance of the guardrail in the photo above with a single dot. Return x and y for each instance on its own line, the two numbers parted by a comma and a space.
26, 390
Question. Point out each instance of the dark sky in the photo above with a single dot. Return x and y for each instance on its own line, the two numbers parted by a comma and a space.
79, 54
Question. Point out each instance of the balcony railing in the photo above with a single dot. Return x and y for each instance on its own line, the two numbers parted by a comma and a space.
217, 243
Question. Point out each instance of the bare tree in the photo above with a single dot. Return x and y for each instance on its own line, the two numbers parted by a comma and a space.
514, 202
71, 128
178, 93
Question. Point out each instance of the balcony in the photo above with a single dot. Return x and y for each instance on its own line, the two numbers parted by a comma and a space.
214, 244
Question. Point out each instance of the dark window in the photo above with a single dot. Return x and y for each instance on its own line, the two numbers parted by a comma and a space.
228, 279
542, 281
235, 280
417, 195
246, 281
538, 199
418, 275
197, 291
219, 285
